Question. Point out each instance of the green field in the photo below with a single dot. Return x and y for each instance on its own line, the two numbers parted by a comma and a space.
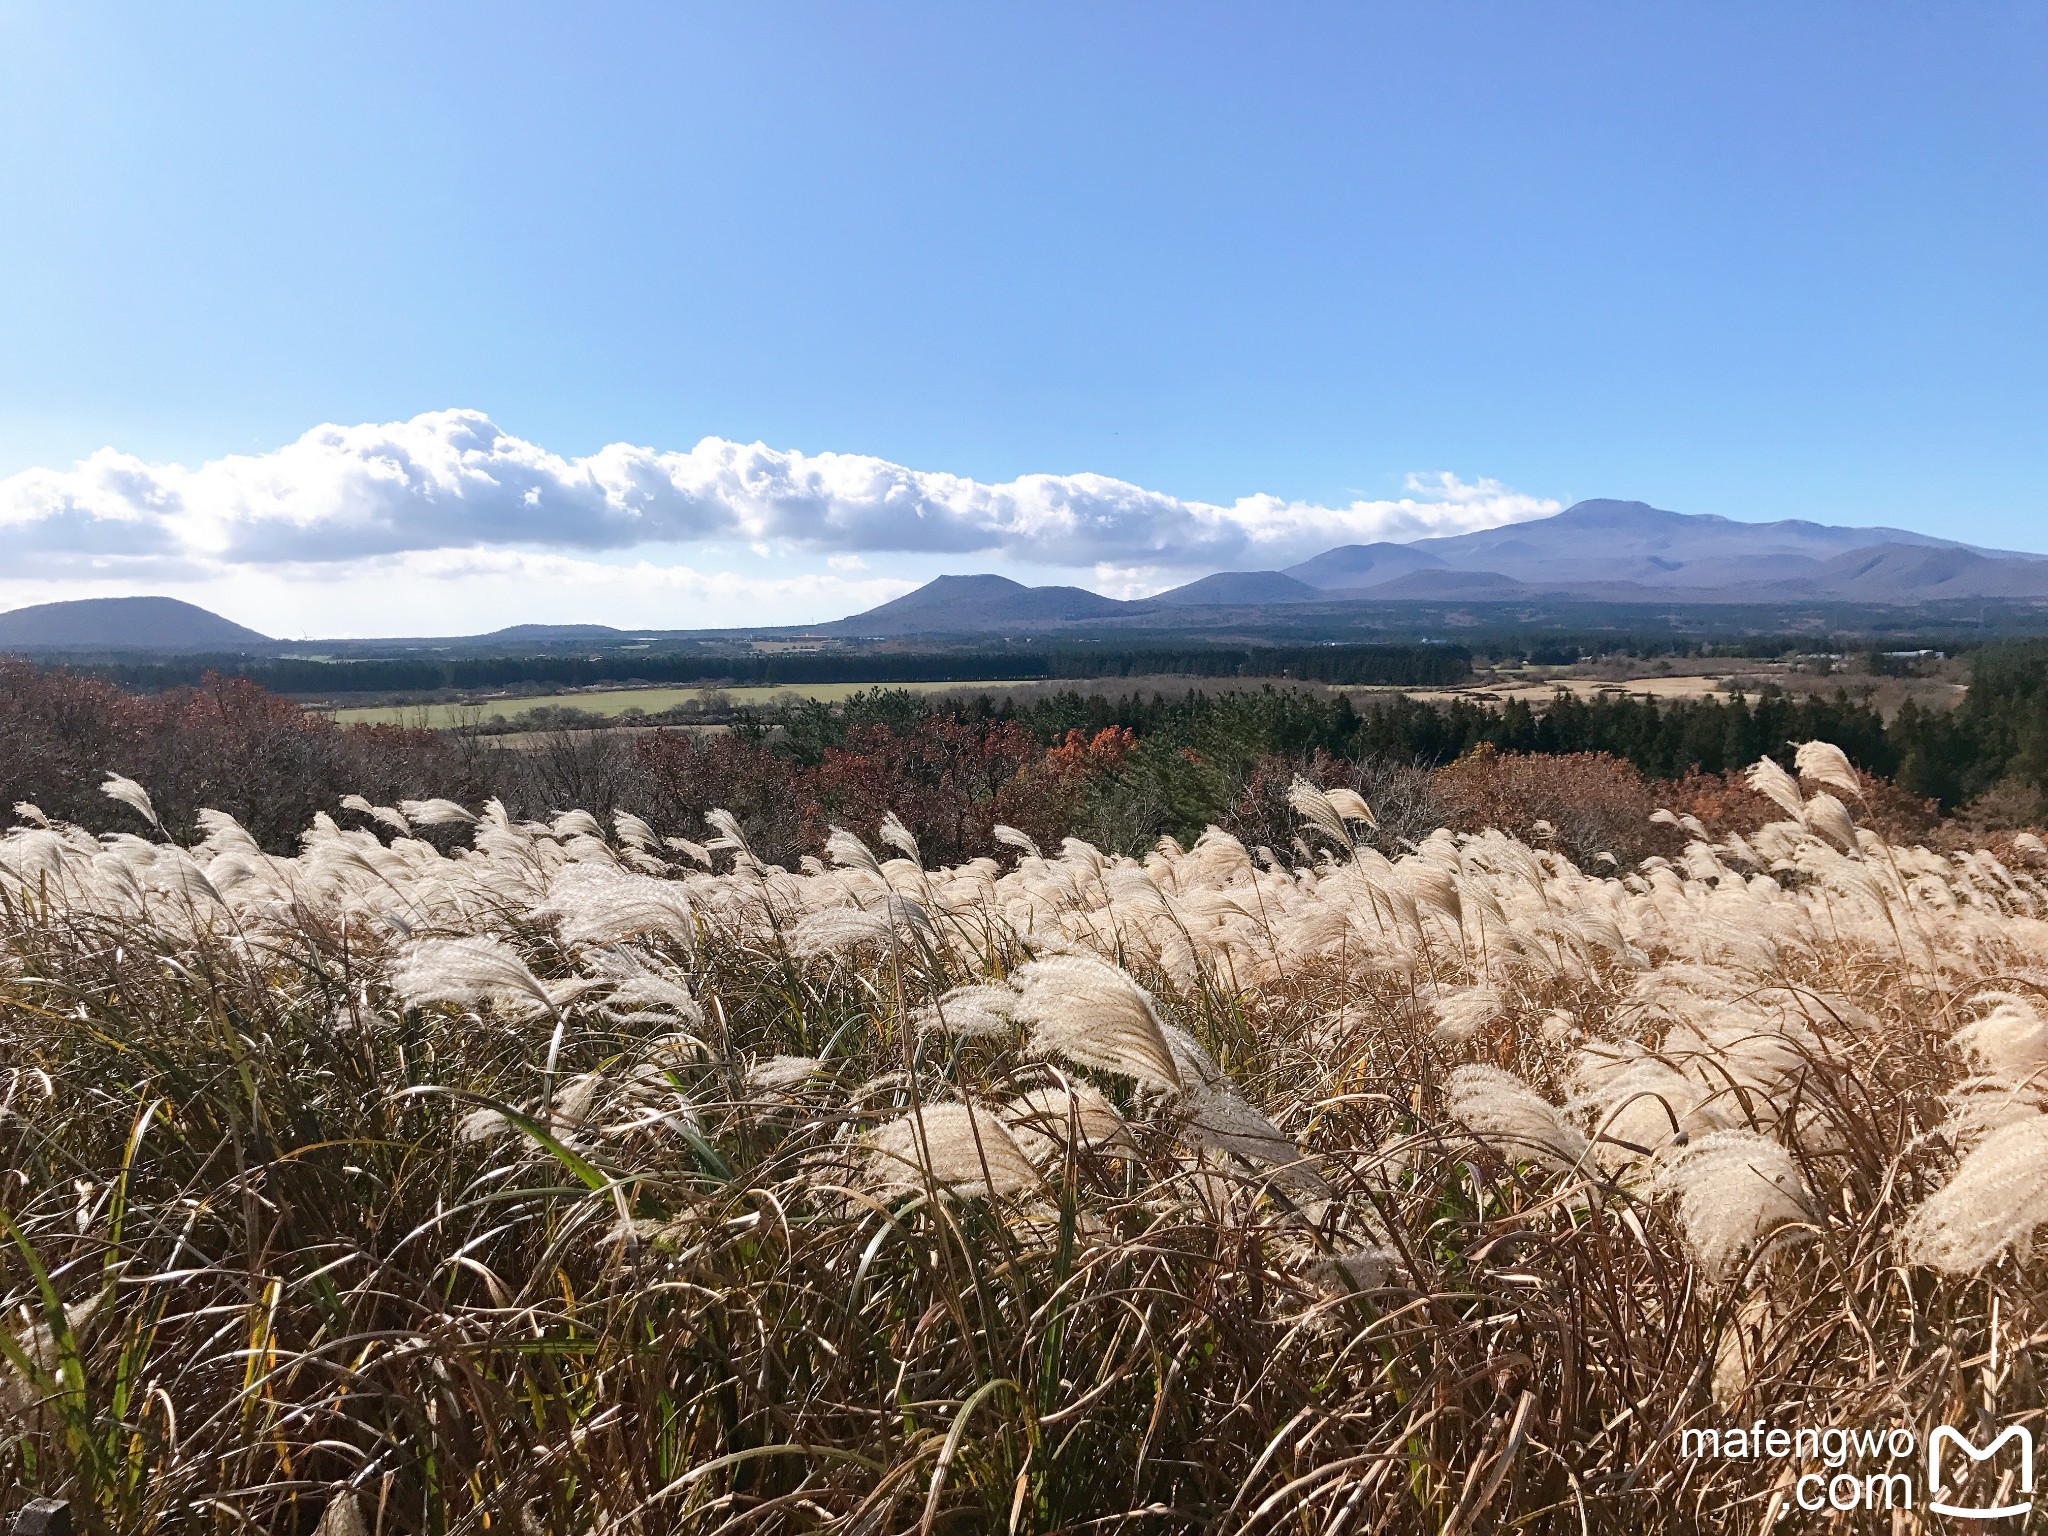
616, 701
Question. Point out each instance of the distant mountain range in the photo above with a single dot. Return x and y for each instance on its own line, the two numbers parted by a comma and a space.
1631, 541
1597, 554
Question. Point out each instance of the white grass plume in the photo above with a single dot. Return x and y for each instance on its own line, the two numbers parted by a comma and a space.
1046, 1119
1977, 1106
575, 823
1640, 1103
436, 813
1778, 787
2010, 1042
1218, 1118
383, 815
1996, 1202
1432, 885
480, 1126
1195, 1065
1736, 1191
969, 1012
597, 904
1463, 1012
634, 832
468, 972
574, 1102
696, 853
782, 1074
1010, 837
965, 1151
643, 992
838, 930
1091, 1013
131, 794
1829, 818
728, 837
224, 834
898, 836
847, 851
343, 1516
1322, 812
1825, 763
2008, 1045
1351, 805
1501, 1109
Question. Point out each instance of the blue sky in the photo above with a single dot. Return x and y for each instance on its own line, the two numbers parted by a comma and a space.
1765, 261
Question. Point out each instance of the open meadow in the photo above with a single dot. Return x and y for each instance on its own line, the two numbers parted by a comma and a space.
619, 701
1658, 678
457, 1172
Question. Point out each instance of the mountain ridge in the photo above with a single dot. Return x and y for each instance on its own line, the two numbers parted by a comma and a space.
975, 604
1610, 540
1598, 552
1595, 551
124, 624
1361, 565
1239, 588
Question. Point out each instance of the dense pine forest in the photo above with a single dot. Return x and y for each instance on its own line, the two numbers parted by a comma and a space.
1405, 666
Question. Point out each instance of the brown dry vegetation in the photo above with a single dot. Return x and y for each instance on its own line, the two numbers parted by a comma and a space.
567, 1179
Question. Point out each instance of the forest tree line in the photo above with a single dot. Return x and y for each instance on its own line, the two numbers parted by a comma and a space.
1119, 770
1400, 666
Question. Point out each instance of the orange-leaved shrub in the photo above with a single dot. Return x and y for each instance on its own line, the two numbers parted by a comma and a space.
1593, 803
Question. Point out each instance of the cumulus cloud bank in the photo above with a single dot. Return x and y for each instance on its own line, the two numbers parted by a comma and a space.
453, 480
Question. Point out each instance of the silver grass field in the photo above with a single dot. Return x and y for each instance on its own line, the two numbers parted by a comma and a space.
460, 1174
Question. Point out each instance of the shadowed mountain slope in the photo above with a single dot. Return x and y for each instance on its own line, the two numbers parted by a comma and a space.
552, 634
1888, 573
1362, 565
974, 604
1597, 541
124, 624
1241, 587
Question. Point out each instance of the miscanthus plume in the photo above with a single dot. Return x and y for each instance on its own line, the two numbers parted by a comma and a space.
1508, 1114
1996, 1204
1093, 1014
1735, 1191
963, 1150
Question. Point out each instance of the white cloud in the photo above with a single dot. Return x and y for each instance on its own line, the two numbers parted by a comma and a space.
1132, 581
453, 481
